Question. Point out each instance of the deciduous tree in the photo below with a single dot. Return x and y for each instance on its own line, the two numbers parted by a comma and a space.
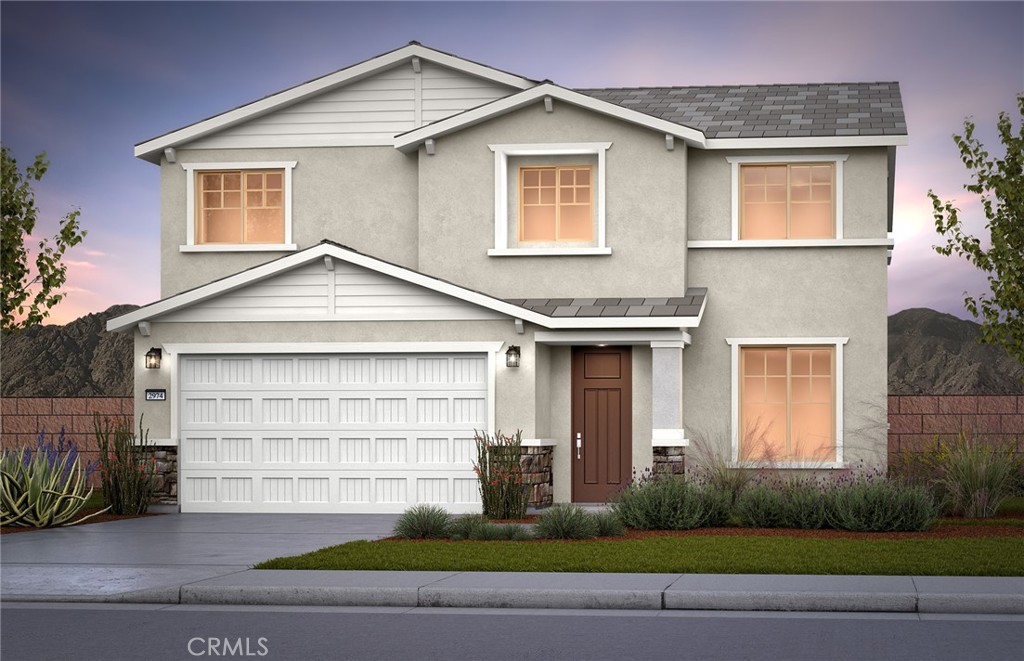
29, 294
999, 181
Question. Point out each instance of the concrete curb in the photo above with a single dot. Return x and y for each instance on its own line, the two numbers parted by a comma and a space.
891, 594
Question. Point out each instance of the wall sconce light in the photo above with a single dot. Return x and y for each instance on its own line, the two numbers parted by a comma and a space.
512, 356
153, 358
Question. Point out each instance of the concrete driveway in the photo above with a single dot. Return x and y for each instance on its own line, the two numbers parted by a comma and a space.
108, 561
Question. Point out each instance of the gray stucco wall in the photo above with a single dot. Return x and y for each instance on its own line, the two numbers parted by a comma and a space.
645, 210
362, 197
864, 191
795, 292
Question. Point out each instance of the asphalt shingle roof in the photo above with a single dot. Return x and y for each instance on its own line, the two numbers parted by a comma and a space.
680, 306
767, 111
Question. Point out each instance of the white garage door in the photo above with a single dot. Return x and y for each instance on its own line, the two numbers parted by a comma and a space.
330, 433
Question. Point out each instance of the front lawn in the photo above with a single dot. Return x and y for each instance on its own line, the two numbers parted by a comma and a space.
745, 554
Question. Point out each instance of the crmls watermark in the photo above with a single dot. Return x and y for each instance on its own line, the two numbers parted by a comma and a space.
227, 647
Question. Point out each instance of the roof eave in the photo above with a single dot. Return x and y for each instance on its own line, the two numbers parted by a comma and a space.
807, 142
411, 140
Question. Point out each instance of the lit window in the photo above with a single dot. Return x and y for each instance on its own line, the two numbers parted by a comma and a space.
787, 201
787, 404
556, 203
240, 207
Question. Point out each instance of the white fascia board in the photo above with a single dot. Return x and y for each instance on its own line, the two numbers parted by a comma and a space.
612, 337
410, 140
808, 142
151, 150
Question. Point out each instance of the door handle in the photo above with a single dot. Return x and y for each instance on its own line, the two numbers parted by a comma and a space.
579, 445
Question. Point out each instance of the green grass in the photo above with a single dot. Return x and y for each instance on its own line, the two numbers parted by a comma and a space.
1003, 556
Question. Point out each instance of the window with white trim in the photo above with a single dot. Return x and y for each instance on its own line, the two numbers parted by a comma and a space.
787, 402
787, 198
239, 206
549, 199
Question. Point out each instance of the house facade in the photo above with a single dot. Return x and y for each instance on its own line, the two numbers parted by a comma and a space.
361, 272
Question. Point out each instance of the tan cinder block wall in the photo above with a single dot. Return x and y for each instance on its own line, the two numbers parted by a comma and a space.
915, 420
22, 418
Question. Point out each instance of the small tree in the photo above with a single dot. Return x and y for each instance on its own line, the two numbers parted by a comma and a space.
27, 299
1000, 183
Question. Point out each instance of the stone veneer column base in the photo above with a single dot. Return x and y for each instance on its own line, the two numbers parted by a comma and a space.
165, 488
669, 460
536, 464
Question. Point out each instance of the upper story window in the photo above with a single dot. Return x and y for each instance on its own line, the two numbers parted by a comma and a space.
787, 201
556, 203
549, 199
239, 206
782, 198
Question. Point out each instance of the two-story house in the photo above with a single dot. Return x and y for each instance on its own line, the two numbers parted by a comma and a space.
360, 271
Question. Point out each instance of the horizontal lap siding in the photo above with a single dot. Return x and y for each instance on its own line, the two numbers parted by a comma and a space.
446, 92
304, 293
368, 111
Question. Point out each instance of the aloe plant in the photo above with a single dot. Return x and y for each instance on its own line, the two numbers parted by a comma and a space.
43, 488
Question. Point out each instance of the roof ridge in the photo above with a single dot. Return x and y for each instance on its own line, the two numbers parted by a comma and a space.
684, 87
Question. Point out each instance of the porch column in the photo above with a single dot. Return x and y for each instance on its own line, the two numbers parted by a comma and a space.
667, 394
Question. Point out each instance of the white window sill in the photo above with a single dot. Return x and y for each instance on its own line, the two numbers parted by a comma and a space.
792, 243
232, 247
537, 252
825, 465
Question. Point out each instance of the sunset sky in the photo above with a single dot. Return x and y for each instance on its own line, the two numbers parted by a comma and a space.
86, 81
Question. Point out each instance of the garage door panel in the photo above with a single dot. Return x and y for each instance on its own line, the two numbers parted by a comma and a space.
330, 433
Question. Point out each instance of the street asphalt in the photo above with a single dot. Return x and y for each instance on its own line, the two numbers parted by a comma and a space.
206, 559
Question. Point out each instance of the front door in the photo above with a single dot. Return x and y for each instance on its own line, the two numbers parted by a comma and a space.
602, 422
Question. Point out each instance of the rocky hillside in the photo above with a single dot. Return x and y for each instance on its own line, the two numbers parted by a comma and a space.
938, 354
80, 359
929, 353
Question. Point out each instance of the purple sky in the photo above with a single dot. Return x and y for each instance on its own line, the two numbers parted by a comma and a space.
86, 81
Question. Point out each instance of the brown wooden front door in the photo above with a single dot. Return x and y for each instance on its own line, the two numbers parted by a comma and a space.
602, 422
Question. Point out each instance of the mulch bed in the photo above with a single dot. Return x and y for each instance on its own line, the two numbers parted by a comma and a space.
101, 518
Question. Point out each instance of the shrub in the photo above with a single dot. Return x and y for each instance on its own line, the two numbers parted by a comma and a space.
495, 532
671, 502
872, 503
609, 524
43, 488
760, 506
803, 505
423, 522
978, 478
566, 522
126, 465
501, 475
463, 527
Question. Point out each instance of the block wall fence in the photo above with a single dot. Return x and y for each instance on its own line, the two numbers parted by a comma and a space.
914, 421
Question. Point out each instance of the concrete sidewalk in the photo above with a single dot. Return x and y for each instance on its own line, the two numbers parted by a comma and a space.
569, 591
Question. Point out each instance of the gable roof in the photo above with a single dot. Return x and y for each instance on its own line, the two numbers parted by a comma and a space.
771, 111
152, 149
411, 139
688, 317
